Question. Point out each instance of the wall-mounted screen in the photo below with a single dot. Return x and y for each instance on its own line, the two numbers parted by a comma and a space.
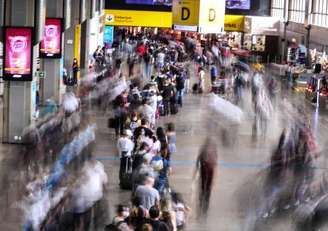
51, 44
150, 2
18, 53
238, 4
143, 5
248, 7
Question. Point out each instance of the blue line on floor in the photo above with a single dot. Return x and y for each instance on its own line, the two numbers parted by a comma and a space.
192, 163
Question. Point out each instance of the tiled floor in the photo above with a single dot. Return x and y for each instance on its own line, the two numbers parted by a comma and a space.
238, 176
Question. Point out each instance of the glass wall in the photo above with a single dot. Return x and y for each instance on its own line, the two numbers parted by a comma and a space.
277, 9
297, 11
318, 11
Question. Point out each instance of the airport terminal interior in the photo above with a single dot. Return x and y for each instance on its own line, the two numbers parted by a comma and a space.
163, 115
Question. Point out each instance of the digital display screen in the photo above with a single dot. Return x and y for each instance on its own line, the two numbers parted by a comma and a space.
142, 5
50, 46
108, 35
18, 53
150, 2
238, 4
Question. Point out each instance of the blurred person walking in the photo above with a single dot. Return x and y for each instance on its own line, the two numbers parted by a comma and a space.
206, 165
75, 70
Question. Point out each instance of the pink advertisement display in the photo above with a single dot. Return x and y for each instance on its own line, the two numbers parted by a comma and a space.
18, 53
50, 46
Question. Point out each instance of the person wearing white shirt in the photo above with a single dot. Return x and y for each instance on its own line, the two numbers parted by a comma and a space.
148, 112
201, 80
125, 147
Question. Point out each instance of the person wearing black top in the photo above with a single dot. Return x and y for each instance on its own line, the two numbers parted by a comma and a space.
143, 129
154, 220
167, 94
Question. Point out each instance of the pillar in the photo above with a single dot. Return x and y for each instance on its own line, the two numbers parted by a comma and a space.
52, 67
307, 25
18, 95
73, 13
285, 22
85, 30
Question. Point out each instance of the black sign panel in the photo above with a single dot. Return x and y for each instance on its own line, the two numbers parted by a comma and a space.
248, 7
148, 5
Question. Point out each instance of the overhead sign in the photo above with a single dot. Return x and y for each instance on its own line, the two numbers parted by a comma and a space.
18, 53
138, 18
234, 23
186, 12
139, 5
211, 16
186, 28
206, 15
51, 44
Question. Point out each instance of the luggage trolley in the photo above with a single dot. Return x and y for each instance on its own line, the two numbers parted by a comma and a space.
316, 90
219, 87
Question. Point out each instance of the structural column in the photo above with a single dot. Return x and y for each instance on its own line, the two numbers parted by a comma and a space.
17, 95
307, 25
86, 6
52, 67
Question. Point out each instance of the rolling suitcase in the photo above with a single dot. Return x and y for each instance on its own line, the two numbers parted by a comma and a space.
161, 110
195, 88
174, 109
126, 175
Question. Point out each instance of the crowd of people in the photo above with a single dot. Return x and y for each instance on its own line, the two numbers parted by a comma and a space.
145, 149
68, 193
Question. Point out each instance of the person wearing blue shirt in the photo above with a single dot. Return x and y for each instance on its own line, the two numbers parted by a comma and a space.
165, 172
214, 73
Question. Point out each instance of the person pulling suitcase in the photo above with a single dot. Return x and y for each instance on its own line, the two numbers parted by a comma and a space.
125, 147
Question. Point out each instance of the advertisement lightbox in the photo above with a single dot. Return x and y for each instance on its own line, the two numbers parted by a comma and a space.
50, 46
108, 35
18, 53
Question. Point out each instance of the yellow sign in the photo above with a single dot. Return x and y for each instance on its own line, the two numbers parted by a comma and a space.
77, 45
211, 16
186, 12
138, 18
234, 23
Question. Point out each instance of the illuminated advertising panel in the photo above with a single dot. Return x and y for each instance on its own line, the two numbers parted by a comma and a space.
18, 53
108, 35
51, 44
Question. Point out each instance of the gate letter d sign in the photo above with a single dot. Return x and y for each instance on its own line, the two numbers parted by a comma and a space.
211, 15
185, 13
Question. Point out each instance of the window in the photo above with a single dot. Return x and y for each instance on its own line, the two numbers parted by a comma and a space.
277, 8
320, 13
